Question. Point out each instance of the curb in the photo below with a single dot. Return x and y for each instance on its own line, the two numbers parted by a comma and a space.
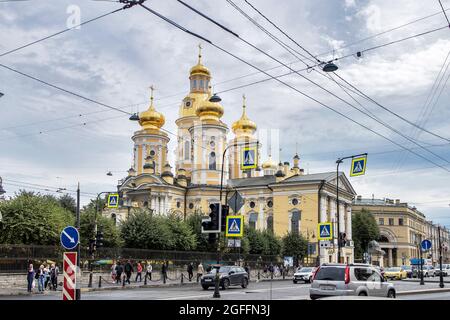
405, 293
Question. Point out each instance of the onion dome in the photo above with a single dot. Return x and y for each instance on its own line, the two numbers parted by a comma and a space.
151, 119
279, 174
199, 68
131, 171
208, 110
167, 171
244, 125
269, 164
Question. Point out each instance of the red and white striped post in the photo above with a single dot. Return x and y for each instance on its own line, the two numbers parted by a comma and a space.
70, 278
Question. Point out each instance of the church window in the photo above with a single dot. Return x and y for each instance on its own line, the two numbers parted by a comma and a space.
201, 84
253, 217
195, 84
212, 161
178, 204
295, 222
191, 206
212, 143
152, 153
270, 223
270, 203
295, 201
187, 151
252, 204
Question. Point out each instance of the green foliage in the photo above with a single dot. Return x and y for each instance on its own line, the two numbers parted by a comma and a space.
68, 202
262, 242
195, 222
182, 234
364, 230
32, 218
294, 245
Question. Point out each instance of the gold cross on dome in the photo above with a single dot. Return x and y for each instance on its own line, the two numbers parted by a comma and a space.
152, 88
243, 100
199, 52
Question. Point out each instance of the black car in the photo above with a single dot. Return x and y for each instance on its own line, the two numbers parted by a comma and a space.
228, 275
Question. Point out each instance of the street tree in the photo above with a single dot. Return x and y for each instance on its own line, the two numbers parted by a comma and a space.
295, 245
32, 219
364, 230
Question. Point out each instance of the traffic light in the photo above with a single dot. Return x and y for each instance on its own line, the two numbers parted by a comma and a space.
223, 220
99, 239
212, 225
92, 246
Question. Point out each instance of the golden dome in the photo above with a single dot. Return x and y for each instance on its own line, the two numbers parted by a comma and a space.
269, 164
244, 125
151, 119
199, 68
208, 110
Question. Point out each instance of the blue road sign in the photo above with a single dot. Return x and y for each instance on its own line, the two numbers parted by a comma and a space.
426, 245
234, 226
358, 166
70, 237
325, 231
249, 158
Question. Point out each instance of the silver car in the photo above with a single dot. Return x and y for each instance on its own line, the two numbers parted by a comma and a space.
304, 274
349, 280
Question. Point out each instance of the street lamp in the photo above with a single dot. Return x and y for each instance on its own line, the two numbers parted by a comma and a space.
330, 67
134, 117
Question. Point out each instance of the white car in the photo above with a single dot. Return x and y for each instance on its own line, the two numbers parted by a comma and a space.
304, 274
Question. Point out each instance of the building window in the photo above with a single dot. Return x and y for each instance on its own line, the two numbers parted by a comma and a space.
295, 222
270, 203
212, 161
295, 201
178, 204
191, 206
252, 204
270, 223
400, 222
201, 84
391, 221
252, 220
195, 84
381, 221
187, 150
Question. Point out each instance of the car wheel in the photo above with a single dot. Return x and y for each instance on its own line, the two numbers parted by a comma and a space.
295, 281
391, 294
310, 280
225, 284
244, 283
362, 293
205, 287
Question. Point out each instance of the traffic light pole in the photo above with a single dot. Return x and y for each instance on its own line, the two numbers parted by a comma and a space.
77, 288
441, 277
338, 162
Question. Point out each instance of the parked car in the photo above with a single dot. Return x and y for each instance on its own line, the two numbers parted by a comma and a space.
408, 270
228, 276
445, 270
304, 274
395, 273
349, 280
428, 271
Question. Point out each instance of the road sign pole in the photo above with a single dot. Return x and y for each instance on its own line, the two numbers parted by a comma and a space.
78, 290
441, 277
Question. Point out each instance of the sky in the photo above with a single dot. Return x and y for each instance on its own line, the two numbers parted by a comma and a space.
49, 138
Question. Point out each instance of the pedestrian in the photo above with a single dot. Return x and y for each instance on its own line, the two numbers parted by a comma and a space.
30, 276
247, 269
265, 268
47, 277
119, 271
190, 271
164, 271
200, 271
148, 272
54, 270
139, 272
128, 270
41, 279
271, 268
114, 271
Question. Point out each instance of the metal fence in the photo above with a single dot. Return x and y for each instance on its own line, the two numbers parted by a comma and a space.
14, 258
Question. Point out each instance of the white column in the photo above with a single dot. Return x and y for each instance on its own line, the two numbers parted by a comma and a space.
342, 215
166, 204
323, 209
348, 229
152, 203
261, 221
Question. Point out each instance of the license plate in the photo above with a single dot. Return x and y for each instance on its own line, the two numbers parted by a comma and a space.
327, 288
208, 280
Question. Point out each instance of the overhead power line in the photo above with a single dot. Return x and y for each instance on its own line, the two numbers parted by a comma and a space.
445, 14
286, 84
306, 78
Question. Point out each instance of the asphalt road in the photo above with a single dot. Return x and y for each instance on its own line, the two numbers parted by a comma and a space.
276, 290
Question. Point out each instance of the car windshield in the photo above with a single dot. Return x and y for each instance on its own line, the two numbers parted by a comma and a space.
394, 269
305, 270
406, 268
221, 270
331, 273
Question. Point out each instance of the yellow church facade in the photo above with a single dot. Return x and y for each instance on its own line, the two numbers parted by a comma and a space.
278, 197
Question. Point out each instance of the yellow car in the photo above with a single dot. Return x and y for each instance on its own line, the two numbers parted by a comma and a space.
395, 273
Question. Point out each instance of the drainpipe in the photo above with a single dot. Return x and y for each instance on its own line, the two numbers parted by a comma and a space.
318, 218
185, 204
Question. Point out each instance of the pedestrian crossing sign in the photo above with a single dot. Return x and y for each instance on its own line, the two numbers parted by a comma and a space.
325, 231
249, 158
113, 200
358, 166
234, 226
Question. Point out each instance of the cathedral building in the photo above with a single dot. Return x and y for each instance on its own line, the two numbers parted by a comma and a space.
278, 197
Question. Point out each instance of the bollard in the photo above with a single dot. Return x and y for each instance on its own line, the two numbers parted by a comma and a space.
90, 280
258, 276
100, 281
182, 275
271, 276
123, 281
164, 278
284, 274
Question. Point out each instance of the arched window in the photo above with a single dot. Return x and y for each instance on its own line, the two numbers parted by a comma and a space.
187, 150
253, 217
212, 161
295, 222
270, 223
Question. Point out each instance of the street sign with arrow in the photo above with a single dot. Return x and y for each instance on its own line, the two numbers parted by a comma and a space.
70, 237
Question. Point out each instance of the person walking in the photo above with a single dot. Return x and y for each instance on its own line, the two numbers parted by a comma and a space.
139, 272
47, 277
41, 279
30, 277
247, 269
164, 271
200, 271
54, 270
148, 272
128, 271
190, 271
119, 271
114, 271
